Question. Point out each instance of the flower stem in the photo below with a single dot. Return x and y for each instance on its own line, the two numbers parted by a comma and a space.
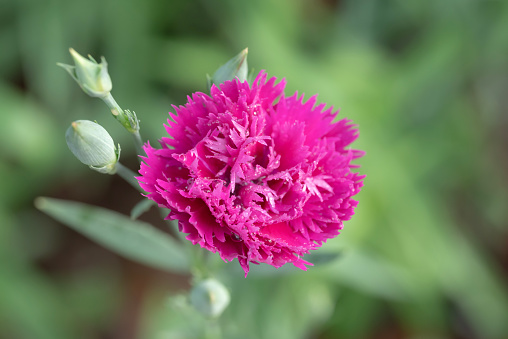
128, 120
213, 330
138, 143
112, 104
128, 176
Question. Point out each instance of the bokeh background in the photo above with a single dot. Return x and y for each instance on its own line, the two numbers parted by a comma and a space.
425, 256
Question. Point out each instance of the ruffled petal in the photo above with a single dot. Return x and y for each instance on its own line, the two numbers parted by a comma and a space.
254, 175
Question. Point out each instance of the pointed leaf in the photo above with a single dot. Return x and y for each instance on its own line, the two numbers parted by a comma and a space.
141, 207
133, 239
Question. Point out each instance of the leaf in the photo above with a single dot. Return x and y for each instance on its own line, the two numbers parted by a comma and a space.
141, 207
371, 275
322, 258
316, 258
133, 239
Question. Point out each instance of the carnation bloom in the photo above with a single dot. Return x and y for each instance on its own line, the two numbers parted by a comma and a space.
255, 175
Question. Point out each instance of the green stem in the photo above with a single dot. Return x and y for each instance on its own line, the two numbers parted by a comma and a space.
198, 263
212, 329
123, 118
112, 104
128, 176
138, 143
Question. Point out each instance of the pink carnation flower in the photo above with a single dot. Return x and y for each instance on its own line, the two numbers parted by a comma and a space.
255, 175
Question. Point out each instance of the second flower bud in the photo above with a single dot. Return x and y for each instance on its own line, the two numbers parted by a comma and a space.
93, 146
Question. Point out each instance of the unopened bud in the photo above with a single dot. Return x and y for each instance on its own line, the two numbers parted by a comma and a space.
91, 76
93, 146
210, 297
234, 68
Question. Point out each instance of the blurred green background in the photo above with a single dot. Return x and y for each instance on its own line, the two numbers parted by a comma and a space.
425, 256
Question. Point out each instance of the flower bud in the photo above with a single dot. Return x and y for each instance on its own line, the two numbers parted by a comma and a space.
210, 297
91, 76
93, 146
234, 68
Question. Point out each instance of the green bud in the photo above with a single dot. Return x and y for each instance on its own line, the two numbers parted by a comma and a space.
93, 146
91, 76
210, 297
234, 68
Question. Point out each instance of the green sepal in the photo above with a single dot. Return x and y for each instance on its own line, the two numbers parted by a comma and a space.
111, 168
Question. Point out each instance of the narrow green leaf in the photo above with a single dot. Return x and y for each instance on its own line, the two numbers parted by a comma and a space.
140, 208
322, 258
317, 258
133, 239
371, 275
